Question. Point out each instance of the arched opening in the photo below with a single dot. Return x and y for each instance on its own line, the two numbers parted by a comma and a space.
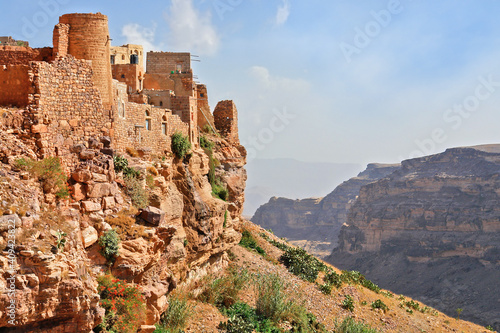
123, 57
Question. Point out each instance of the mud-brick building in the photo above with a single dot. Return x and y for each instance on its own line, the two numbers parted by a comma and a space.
82, 89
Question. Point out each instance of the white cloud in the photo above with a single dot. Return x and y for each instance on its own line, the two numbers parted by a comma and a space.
271, 82
283, 12
137, 34
191, 30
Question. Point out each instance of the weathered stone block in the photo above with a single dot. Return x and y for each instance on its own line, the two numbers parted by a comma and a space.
87, 155
99, 190
9, 220
82, 176
89, 236
78, 148
90, 206
108, 202
99, 177
106, 141
40, 128
153, 215
79, 192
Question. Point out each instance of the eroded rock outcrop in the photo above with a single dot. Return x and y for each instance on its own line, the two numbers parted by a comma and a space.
315, 223
182, 236
431, 230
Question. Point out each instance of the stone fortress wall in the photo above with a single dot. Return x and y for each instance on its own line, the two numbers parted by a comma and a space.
74, 95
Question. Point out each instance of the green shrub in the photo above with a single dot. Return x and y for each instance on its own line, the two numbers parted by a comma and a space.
349, 325
136, 192
378, 304
348, 303
489, 328
109, 242
272, 301
302, 264
279, 245
243, 318
332, 278
175, 319
205, 143
120, 163
180, 145
220, 191
223, 292
247, 241
124, 305
355, 277
49, 172
61, 239
131, 173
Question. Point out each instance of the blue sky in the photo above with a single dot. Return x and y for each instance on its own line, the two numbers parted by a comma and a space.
334, 81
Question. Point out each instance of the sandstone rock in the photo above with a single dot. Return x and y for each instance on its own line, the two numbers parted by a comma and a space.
82, 176
106, 141
90, 206
108, 202
153, 215
78, 148
99, 190
79, 192
8, 222
147, 329
99, 177
89, 236
87, 155
108, 151
93, 144
40, 128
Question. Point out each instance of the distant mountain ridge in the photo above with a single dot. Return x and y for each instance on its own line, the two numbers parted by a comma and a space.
432, 230
315, 223
291, 178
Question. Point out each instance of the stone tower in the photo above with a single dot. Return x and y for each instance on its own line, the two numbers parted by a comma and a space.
88, 38
226, 121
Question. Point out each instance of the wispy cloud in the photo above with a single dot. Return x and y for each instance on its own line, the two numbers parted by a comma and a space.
283, 12
137, 34
191, 30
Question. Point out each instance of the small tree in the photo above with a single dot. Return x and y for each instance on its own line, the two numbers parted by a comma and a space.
459, 311
109, 243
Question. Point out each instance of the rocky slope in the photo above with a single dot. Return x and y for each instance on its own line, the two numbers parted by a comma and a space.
431, 230
315, 223
183, 235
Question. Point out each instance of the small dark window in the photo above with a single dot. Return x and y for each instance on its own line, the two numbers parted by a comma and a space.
161, 103
123, 76
134, 59
202, 95
112, 60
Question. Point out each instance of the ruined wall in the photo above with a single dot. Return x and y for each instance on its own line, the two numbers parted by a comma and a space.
205, 117
67, 108
184, 84
14, 85
166, 62
130, 129
226, 120
89, 40
129, 74
19, 55
60, 40
185, 107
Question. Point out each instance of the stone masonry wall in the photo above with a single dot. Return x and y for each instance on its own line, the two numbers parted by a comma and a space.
186, 108
60, 40
19, 55
130, 127
205, 117
67, 108
226, 120
166, 62
14, 85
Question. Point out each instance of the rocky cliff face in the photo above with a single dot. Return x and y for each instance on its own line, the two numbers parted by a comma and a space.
183, 235
432, 230
315, 223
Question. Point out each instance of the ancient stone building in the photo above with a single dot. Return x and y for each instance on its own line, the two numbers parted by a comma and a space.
83, 89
